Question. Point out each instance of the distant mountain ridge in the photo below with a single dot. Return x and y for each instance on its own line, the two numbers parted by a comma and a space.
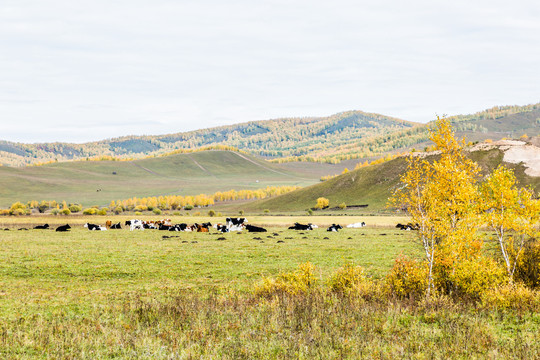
343, 136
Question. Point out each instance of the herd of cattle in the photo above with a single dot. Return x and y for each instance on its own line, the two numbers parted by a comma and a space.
230, 225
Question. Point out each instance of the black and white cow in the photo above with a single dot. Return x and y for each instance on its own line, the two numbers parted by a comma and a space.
180, 227
357, 225
46, 226
236, 224
252, 228
298, 226
63, 228
221, 228
94, 227
334, 227
134, 224
408, 226
116, 226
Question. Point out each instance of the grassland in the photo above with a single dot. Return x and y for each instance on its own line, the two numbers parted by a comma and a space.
97, 183
138, 295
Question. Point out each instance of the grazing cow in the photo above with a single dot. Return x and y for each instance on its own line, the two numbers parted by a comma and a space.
221, 228
63, 228
252, 228
298, 226
236, 224
94, 227
116, 226
334, 227
108, 224
46, 226
134, 224
357, 225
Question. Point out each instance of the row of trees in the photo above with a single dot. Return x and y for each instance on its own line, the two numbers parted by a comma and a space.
450, 205
171, 202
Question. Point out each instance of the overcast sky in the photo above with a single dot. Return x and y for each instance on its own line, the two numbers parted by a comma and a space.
79, 71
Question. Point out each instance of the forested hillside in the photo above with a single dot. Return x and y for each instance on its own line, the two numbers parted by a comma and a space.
343, 136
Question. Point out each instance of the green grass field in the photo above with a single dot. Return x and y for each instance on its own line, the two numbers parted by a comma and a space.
138, 295
182, 174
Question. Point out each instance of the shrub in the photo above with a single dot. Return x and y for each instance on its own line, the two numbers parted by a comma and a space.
474, 277
138, 213
511, 296
294, 283
4, 212
157, 211
241, 212
90, 211
198, 213
141, 208
322, 203
211, 213
118, 210
188, 207
176, 213
55, 211
17, 208
528, 265
65, 211
102, 212
17, 212
343, 206
43, 207
219, 214
74, 208
310, 212
350, 278
408, 278
266, 211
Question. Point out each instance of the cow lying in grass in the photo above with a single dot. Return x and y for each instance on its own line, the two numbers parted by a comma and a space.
298, 226
252, 228
357, 225
334, 227
63, 228
94, 227
46, 226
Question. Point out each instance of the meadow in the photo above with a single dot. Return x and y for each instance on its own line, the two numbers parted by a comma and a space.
161, 295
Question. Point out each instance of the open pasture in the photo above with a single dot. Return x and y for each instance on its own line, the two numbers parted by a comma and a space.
178, 295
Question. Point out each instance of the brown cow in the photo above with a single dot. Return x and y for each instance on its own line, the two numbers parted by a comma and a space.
108, 224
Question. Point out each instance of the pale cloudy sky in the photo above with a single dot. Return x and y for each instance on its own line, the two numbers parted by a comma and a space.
78, 71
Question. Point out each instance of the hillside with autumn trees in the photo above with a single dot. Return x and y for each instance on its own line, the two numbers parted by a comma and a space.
344, 136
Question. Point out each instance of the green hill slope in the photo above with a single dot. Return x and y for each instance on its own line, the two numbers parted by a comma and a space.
99, 182
373, 185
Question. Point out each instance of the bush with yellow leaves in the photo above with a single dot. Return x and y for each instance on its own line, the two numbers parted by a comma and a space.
407, 278
511, 296
294, 283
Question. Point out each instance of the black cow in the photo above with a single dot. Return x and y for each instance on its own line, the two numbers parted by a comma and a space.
408, 226
298, 226
179, 227
164, 227
46, 226
334, 227
116, 226
63, 228
252, 228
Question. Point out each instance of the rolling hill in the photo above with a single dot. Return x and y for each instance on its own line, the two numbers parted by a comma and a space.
374, 184
344, 136
99, 182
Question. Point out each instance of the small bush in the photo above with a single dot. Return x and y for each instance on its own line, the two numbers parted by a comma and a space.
266, 211
511, 296
241, 212
75, 208
350, 279
55, 211
188, 207
310, 212
408, 278
474, 277
90, 211
65, 212
141, 208
176, 213
102, 212
211, 213
528, 266
4, 212
343, 206
157, 211
138, 213
322, 203
118, 210
294, 283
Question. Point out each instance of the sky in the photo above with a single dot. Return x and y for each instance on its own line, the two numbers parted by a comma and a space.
78, 71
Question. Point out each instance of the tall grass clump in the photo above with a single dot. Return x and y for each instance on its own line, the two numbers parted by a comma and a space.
296, 282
